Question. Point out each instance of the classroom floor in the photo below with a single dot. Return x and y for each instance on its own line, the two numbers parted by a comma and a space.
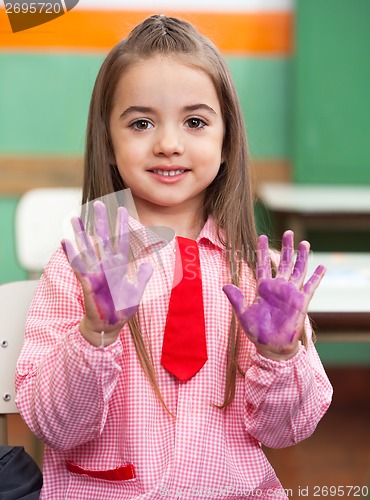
337, 454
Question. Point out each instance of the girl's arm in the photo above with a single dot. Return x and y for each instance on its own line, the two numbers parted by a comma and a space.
285, 400
63, 382
287, 391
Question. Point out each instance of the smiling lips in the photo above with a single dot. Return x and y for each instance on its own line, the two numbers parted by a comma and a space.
168, 174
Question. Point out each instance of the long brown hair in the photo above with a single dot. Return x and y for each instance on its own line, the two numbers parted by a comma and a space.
229, 197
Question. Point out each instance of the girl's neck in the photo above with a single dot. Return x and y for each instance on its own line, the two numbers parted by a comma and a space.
185, 223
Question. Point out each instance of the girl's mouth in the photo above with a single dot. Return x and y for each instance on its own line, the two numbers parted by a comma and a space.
169, 173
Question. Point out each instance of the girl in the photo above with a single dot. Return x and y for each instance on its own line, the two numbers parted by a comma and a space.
98, 379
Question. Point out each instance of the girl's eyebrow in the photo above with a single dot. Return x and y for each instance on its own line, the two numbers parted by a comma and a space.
200, 106
146, 109
136, 109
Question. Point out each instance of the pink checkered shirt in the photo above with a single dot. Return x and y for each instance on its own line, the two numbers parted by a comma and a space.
96, 409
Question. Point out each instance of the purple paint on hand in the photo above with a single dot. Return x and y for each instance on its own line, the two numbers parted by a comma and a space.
276, 317
105, 265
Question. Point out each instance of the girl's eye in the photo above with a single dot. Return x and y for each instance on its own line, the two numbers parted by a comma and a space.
195, 123
141, 125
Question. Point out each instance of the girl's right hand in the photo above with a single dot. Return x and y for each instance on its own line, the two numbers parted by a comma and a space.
111, 299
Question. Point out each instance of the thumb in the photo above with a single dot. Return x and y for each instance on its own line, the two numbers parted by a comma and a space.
144, 274
236, 298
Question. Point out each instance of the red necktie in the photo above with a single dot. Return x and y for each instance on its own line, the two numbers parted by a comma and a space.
184, 349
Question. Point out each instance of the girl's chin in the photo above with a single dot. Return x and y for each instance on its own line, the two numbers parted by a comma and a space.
172, 202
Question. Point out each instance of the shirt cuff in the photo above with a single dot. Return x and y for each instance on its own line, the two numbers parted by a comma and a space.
275, 364
79, 340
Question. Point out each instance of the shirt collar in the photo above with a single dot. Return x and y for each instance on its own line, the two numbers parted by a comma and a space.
209, 233
154, 240
144, 240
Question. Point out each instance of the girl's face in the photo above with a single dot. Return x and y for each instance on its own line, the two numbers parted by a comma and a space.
167, 133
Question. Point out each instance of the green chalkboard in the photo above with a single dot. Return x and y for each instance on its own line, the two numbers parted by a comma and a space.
332, 92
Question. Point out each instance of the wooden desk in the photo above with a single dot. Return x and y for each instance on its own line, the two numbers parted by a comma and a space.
301, 207
340, 307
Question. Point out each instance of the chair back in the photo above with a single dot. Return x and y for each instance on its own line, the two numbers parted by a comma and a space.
42, 220
15, 300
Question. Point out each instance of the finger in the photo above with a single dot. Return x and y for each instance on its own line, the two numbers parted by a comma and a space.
311, 285
101, 227
83, 242
127, 294
144, 274
236, 298
122, 232
69, 250
263, 267
73, 257
286, 256
300, 266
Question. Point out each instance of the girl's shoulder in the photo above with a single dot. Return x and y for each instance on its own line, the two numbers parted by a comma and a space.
58, 260
59, 270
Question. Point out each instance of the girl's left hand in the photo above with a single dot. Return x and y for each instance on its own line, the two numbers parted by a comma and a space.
274, 322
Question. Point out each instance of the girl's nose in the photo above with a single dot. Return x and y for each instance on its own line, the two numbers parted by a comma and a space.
168, 142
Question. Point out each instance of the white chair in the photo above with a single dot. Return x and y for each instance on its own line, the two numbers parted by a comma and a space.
42, 220
15, 299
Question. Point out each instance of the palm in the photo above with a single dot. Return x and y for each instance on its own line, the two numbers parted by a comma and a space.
276, 317
277, 314
116, 297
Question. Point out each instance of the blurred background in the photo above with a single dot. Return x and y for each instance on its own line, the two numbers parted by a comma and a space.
302, 70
